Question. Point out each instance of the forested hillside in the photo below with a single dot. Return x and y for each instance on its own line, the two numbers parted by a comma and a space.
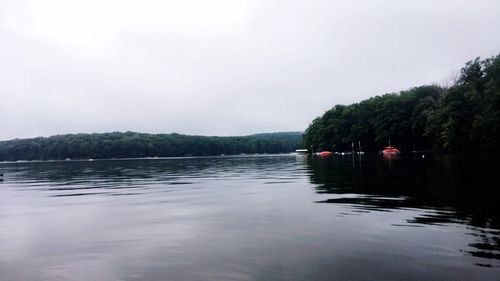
130, 144
462, 118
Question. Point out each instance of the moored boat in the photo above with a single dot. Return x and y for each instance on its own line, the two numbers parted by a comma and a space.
301, 151
360, 150
390, 150
325, 153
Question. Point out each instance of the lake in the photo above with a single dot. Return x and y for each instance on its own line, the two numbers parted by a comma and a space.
267, 217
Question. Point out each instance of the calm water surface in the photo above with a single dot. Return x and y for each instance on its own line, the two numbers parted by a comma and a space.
252, 218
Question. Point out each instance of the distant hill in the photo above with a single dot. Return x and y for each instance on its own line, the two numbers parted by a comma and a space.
131, 145
281, 136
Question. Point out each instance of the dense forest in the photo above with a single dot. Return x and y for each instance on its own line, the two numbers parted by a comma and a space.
130, 144
464, 117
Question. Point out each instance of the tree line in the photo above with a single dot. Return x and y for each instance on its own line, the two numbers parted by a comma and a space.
464, 117
132, 145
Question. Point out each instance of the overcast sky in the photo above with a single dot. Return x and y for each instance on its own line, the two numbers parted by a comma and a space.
221, 67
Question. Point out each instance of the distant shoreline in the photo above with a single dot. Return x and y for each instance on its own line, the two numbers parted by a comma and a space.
151, 158
138, 145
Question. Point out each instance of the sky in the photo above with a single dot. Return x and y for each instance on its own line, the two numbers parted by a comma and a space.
222, 67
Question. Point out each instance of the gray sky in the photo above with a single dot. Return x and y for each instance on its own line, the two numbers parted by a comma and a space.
221, 67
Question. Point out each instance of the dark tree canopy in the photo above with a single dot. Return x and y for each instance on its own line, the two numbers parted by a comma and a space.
464, 117
130, 145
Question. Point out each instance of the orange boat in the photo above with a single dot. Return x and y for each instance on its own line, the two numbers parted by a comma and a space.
390, 150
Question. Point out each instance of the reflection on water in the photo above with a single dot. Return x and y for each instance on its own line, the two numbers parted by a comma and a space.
444, 189
252, 218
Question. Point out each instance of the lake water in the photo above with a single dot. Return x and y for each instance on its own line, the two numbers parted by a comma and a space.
252, 218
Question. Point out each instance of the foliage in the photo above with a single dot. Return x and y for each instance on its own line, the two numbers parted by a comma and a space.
464, 117
130, 144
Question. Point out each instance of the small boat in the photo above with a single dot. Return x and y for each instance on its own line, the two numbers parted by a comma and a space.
360, 151
390, 150
300, 151
325, 153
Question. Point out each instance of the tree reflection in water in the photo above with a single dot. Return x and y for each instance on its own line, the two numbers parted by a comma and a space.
451, 189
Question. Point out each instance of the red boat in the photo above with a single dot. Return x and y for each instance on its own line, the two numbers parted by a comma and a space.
390, 150
325, 153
